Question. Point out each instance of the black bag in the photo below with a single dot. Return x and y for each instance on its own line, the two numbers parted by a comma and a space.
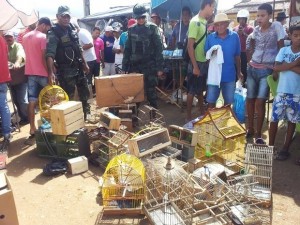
185, 54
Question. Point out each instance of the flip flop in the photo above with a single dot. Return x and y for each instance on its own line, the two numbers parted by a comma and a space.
282, 155
30, 140
260, 141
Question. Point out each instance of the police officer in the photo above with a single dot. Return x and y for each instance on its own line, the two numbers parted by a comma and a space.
143, 52
63, 47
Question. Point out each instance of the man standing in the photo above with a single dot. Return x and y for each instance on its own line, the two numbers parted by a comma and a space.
31, 27
180, 30
99, 47
117, 50
243, 30
197, 69
109, 55
16, 59
63, 47
34, 44
156, 19
124, 35
4, 78
87, 44
143, 52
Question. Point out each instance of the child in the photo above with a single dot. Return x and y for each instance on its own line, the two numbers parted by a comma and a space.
262, 48
286, 105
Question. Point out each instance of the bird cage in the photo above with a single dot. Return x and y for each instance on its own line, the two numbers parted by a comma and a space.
147, 114
209, 198
169, 195
110, 145
123, 185
221, 137
258, 162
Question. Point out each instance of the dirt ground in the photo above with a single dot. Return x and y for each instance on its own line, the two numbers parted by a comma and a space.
72, 200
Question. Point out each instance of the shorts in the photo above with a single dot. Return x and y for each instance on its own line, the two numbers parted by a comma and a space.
286, 107
196, 85
35, 85
213, 92
257, 85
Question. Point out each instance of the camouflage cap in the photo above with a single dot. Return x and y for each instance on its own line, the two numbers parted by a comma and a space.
139, 11
63, 10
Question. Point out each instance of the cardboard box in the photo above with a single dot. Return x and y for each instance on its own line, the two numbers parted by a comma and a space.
119, 89
78, 165
66, 117
8, 211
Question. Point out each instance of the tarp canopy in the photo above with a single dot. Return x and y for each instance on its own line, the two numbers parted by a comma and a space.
10, 16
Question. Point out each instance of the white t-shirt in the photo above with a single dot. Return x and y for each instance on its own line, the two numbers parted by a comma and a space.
119, 56
85, 37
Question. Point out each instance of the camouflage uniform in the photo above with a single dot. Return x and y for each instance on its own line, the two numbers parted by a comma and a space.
143, 54
63, 46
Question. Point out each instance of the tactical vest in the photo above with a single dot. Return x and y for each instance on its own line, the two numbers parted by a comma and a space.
68, 50
141, 41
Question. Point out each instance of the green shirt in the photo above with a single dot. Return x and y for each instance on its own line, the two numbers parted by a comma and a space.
196, 30
15, 50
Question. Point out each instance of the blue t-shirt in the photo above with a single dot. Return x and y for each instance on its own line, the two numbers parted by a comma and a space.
231, 48
183, 33
123, 39
109, 55
289, 81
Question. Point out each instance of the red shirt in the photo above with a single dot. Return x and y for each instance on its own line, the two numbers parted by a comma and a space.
21, 35
248, 30
4, 71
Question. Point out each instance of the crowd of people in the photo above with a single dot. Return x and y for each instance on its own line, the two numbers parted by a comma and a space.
219, 56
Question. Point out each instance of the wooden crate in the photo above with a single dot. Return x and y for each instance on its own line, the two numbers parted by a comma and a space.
183, 135
119, 89
128, 124
66, 117
110, 121
150, 142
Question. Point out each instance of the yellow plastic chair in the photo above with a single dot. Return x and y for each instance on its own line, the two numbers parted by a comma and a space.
273, 88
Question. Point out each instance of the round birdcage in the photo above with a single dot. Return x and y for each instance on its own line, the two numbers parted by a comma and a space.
123, 183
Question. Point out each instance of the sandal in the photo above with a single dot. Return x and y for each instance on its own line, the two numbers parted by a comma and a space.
30, 140
260, 141
282, 155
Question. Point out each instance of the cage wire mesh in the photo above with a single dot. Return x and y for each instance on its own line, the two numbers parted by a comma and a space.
123, 183
220, 136
169, 195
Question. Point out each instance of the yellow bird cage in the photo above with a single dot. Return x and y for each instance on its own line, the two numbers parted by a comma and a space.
123, 185
220, 138
49, 96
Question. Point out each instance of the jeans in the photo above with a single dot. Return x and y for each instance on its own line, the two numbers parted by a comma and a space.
20, 98
257, 85
227, 88
35, 85
4, 110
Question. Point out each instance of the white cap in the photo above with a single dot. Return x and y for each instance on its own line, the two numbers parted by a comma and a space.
108, 28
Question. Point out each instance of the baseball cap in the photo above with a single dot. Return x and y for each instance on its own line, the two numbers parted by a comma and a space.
131, 22
117, 29
108, 28
45, 20
63, 10
9, 33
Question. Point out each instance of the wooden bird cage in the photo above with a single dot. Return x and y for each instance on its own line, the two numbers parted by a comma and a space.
259, 162
169, 195
147, 114
220, 135
123, 185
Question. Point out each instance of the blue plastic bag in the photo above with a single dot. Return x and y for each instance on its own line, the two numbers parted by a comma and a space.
239, 104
